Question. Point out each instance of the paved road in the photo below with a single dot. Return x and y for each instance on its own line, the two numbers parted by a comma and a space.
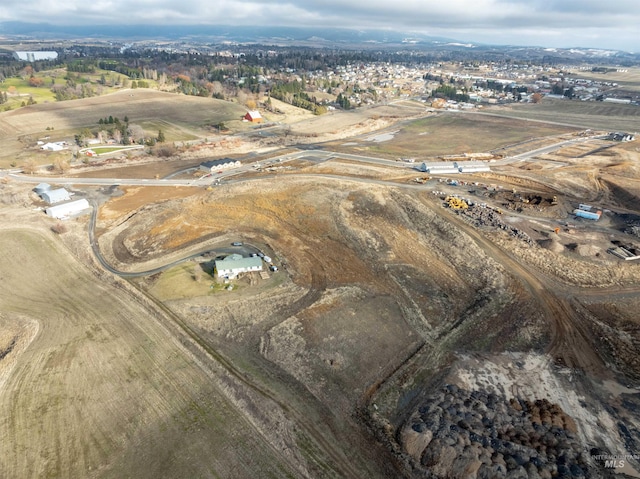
545, 150
317, 155
245, 250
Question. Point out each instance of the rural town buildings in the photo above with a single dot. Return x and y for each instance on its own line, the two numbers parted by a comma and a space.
620, 136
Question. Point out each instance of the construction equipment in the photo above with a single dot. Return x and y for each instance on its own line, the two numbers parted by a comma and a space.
456, 203
554, 201
422, 180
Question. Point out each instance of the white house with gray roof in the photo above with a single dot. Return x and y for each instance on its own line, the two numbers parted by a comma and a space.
234, 264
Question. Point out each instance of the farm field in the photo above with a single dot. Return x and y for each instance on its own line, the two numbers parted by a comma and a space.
188, 117
98, 387
449, 134
594, 115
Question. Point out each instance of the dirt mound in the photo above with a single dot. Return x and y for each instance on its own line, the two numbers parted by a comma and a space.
587, 250
552, 245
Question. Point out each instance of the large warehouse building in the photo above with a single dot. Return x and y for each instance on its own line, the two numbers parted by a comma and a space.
67, 210
35, 56
223, 164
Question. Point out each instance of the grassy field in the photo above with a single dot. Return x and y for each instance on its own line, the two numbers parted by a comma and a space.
180, 117
108, 149
138, 105
594, 115
172, 132
19, 88
179, 282
104, 390
448, 134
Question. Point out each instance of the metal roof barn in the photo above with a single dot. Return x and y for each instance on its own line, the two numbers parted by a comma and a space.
41, 188
66, 210
55, 196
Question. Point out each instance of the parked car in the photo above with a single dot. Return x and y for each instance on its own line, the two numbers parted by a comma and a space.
237, 243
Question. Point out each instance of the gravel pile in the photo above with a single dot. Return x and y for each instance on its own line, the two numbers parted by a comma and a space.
480, 434
487, 217
633, 230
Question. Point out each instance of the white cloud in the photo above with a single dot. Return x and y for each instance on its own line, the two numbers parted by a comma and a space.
568, 22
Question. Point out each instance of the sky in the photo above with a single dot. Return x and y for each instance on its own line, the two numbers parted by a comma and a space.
612, 24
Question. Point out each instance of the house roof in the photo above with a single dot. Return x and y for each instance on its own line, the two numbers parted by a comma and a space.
67, 209
236, 261
254, 114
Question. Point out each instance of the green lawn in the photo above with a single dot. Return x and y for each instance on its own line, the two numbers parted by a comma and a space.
19, 89
110, 149
179, 283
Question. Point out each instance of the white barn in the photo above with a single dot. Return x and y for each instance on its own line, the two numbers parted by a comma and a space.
55, 196
57, 146
41, 188
66, 210
234, 264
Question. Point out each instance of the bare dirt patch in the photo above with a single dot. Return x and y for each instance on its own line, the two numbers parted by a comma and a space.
447, 134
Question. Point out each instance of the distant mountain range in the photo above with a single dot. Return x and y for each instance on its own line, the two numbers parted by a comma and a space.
312, 37
240, 34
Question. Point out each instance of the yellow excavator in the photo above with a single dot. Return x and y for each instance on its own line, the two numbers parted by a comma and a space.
456, 203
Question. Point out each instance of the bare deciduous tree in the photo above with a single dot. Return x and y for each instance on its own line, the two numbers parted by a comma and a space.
61, 165
30, 166
197, 272
59, 228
